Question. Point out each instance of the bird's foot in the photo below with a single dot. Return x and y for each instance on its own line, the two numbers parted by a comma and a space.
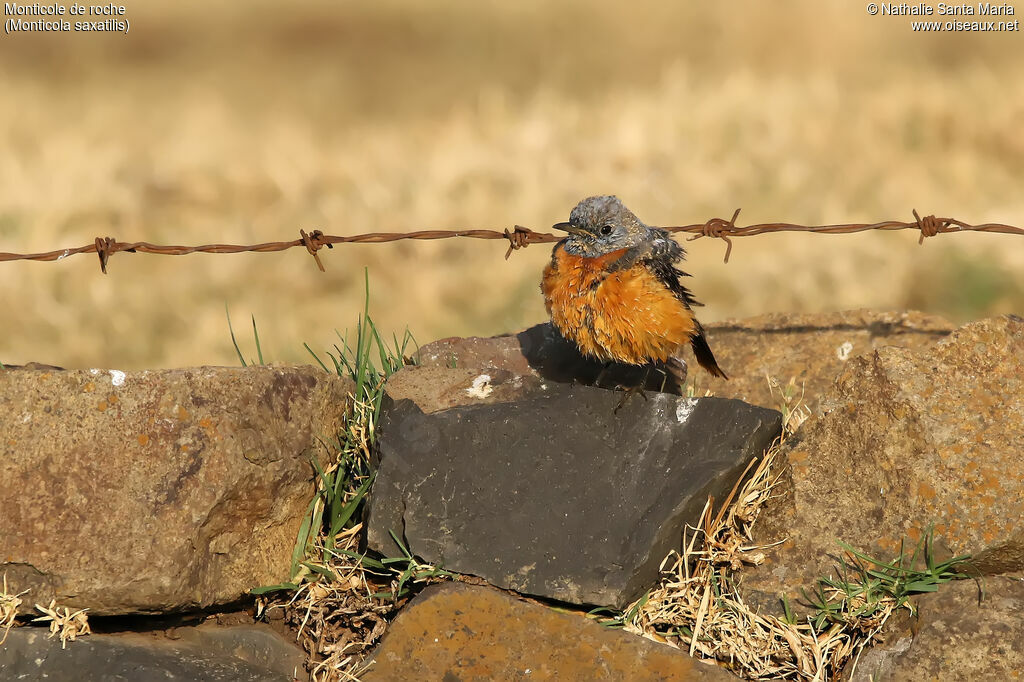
627, 393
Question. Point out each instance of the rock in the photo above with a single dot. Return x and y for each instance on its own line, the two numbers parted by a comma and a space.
555, 494
515, 353
959, 637
31, 365
157, 491
257, 644
895, 638
810, 348
458, 632
435, 388
910, 440
539, 352
238, 654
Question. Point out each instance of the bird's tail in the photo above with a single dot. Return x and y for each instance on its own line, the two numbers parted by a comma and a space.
702, 351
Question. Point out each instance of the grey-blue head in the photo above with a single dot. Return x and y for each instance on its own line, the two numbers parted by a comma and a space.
600, 225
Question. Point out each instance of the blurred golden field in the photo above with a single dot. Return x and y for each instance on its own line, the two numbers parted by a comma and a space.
243, 123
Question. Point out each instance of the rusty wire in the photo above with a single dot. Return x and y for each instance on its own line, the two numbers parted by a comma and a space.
519, 237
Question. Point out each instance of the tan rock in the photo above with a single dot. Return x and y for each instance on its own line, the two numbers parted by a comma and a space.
809, 348
435, 388
960, 635
908, 441
160, 490
459, 632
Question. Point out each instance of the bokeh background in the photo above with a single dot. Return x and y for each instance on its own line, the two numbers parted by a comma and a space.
244, 122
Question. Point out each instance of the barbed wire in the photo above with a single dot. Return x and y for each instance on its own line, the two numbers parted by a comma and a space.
519, 237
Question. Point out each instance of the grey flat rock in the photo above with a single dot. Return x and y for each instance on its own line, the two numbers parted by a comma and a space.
30, 655
554, 494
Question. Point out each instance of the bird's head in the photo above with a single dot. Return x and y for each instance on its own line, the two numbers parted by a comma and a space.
600, 225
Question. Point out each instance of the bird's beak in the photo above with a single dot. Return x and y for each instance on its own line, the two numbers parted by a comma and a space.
568, 227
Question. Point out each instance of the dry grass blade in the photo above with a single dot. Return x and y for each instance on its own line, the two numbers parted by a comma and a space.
9, 604
794, 411
702, 611
67, 625
792, 638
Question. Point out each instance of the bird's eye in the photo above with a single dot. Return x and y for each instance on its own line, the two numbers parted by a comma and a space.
606, 230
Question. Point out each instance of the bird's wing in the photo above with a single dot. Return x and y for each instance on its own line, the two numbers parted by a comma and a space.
668, 274
664, 253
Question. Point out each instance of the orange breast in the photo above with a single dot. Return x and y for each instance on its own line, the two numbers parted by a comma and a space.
628, 316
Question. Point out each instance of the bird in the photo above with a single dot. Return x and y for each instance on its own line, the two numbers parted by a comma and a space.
612, 287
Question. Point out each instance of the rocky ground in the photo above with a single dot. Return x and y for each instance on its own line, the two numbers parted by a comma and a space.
156, 500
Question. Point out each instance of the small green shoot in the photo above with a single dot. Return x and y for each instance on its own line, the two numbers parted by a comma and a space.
635, 608
411, 571
347, 509
280, 587
234, 341
791, 405
787, 609
606, 616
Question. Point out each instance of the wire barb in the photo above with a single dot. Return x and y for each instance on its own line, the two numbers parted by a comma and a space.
719, 229
929, 226
518, 238
105, 246
313, 243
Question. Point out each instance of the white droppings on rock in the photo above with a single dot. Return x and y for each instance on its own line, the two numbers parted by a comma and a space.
117, 377
843, 352
94, 372
684, 408
481, 387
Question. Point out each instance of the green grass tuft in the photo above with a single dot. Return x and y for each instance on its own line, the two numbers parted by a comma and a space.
368, 360
868, 587
329, 535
